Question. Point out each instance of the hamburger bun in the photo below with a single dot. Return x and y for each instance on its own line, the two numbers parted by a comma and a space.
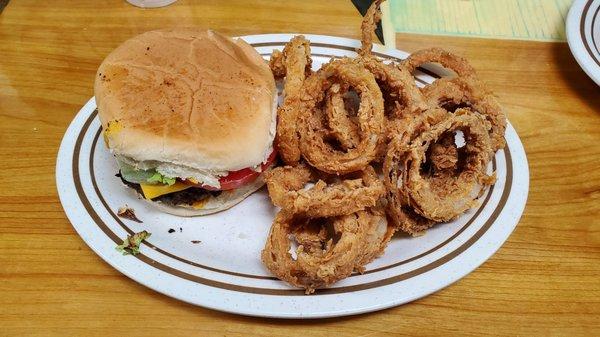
188, 103
187, 97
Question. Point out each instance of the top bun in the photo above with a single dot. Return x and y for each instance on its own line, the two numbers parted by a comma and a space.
187, 97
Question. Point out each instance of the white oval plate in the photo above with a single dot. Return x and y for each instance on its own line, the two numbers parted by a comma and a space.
583, 35
224, 272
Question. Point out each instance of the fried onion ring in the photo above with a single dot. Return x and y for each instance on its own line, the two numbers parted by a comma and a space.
447, 59
295, 63
339, 117
344, 195
336, 122
471, 94
402, 97
406, 129
314, 146
276, 64
321, 260
367, 27
444, 153
376, 240
446, 196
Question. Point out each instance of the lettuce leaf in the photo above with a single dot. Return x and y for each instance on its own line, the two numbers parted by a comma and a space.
159, 178
151, 176
131, 245
132, 175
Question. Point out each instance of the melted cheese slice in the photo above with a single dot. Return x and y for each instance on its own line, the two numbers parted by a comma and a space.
113, 127
153, 191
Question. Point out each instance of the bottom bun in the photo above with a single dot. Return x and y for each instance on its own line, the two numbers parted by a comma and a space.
223, 201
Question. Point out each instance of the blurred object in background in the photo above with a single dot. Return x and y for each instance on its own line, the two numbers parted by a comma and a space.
539, 20
384, 29
151, 3
363, 6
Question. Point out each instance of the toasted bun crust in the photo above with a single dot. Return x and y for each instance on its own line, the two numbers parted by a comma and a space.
188, 97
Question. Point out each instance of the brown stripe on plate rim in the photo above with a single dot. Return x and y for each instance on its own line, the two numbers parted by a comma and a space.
77, 180
196, 264
283, 292
594, 42
586, 43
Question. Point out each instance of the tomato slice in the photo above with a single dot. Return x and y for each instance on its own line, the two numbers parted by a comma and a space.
236, 179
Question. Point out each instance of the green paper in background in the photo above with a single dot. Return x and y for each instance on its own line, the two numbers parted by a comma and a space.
542, 20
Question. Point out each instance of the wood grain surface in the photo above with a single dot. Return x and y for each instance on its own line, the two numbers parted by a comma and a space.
544, 281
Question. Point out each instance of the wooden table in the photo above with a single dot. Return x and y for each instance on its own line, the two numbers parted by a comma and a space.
544, 281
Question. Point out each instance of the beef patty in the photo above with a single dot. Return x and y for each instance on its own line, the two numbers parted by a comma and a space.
186, 197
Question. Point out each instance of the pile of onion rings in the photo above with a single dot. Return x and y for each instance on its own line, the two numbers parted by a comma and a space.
366, 153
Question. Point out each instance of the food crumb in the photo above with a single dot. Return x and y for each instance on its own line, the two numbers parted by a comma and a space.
195, 241
128, 213
131, 245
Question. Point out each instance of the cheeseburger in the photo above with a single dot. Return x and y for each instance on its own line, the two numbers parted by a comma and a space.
189, 116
